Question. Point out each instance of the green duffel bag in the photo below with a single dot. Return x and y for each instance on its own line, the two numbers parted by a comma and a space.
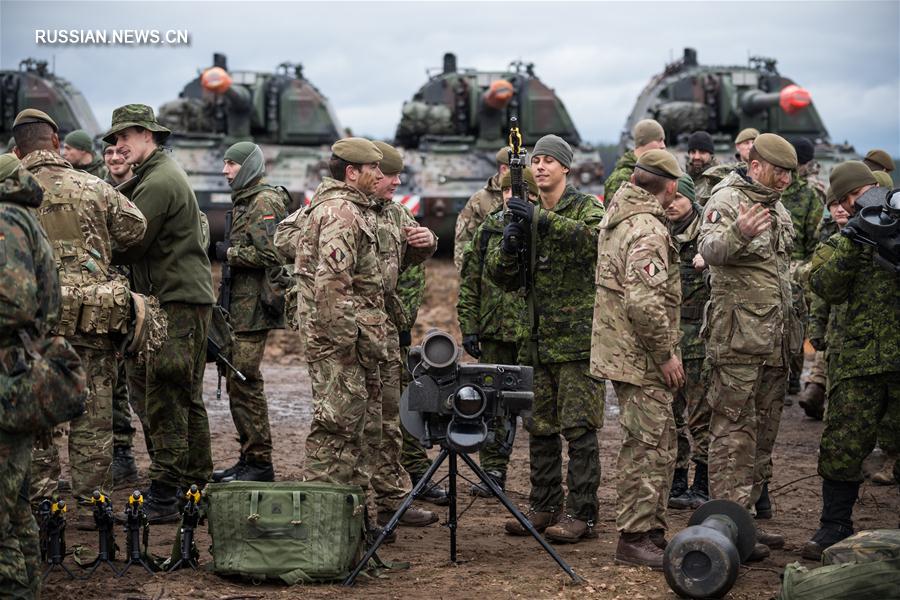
292, 531
879, 580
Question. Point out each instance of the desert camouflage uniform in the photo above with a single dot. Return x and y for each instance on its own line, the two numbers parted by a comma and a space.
635, 330
343, 327
83, 242
567, 400
620, 175
97, 168
704, 184
752, 333
480, 205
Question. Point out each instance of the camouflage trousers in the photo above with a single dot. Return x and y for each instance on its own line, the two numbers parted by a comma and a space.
692, 413
817, 370
20, 559
176, 415
567, 401
383, 440
646, 460
746, 403
413, 457
801, 312
90, 435
123, 432
137, 398
860, 409
247, 399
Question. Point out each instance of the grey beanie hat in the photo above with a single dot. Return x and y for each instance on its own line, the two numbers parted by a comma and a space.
555, 146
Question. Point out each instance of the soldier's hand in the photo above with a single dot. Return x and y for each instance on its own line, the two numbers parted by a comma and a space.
513, 234
222, 250
753, 221
472, 345
673, 372
419, 237
699, 263
522, 209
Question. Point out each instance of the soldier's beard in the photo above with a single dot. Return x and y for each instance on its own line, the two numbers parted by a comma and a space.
695, 168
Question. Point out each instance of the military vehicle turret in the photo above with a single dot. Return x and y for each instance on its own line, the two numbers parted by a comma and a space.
290, 119
454, 124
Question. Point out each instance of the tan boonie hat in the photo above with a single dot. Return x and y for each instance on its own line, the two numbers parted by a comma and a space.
746, 134
776, 150
659, 162
391, 161
358, 151
849, 176
33, 115
506, 181
134, 115
646, 131
879, 159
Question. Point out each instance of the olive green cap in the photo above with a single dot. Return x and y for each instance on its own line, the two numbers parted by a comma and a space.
391, 161
829, 197
134, 115
880, 160
884, 179
33, 115
358, 151
849, 176
239, 152
686, 187
8, 165
506, 181
749, 133
80, 140
659, 162
646, 131
776, 150
555, 146
503, 155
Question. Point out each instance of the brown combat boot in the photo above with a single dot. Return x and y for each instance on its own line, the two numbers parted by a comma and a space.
886, 475
812, 401
413, 517
639, 549
760, 552
541, 519
658, 537
570, 530
771, 540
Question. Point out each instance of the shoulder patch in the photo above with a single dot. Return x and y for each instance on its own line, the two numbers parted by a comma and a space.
651, 271
713, 216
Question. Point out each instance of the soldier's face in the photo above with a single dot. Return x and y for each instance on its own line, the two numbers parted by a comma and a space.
743, 149
387, 186
115, 162
230, 170
75, 156
548, 172
771, 176
135, 144
698, 161
365, 178
849, 201
840, 215
679, 209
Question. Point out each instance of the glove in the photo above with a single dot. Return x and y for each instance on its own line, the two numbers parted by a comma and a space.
222, 250
522, 209
405, 338
470, 343
513, 234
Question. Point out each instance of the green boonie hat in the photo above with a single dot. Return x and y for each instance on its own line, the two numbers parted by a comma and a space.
239, 152
776, 150
391, 160
686, 187
506, 181
749, 133
33, 115
646, 131
358, 151
80, 140
659, 162
849, 176
880, 160
134, 115
884, 179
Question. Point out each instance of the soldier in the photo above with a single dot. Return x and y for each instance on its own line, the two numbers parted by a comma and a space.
253, 304
704, 184
883, 179
634, 344
480, 205
879, 160
85, 218
562, 250
746, 239
78, 149
647, 135
171, 264
701, 154
863, 362
684, 216
402, 243
490, 320
119, 170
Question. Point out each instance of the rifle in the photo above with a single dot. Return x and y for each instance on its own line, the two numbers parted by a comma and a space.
220, 336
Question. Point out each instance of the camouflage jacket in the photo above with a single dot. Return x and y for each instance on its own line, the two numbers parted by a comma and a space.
256, 210
170, 262
751, 320
802, 200
635, 325
694, 290
97, 168
338, 272
819, 317
620, 175
864, 336
562, 255
480, 205
704, 184
483, 307
411, 289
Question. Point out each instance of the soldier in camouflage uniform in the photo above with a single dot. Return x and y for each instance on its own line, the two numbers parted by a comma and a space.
863, 362
746, 239
634, 344
704, 184
480, 205
85, 218
879, 160
647, 135
256, 208
701, 155
78, 150
558, 258
491, 321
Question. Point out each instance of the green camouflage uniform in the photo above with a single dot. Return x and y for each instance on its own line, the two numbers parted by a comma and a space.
343, 328
621, 174
567, 400
752, 331
480, 205
85, 218
635, 330
820, 312
256, 210
494, 315
704, 184
863, 357
171, 264
411, 288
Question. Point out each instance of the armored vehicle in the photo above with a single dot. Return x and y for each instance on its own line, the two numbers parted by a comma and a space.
454, 124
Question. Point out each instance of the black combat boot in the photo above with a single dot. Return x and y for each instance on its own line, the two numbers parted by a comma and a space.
836, 523
482, 491
700, 488
251, 471
764, 504
124, 470
161, 503
220, 474
432, 493
679, 495
812, 401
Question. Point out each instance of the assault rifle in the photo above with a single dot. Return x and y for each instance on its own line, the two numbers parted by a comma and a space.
220, 336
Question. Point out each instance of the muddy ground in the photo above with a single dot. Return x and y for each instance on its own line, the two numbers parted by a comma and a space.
492, 565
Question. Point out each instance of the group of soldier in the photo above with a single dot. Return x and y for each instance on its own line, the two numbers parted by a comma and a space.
686, 290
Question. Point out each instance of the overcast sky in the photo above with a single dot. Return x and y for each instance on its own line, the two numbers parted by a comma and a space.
370, 57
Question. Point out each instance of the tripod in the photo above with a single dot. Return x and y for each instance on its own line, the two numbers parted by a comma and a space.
136, 526
451, 521
53, 537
